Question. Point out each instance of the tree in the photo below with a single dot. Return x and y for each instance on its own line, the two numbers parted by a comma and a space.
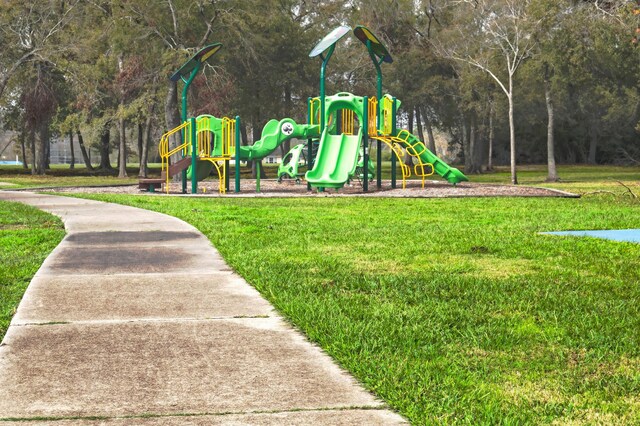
496, 36
29, 31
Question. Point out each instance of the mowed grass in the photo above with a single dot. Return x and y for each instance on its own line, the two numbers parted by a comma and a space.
454, 311
27, 236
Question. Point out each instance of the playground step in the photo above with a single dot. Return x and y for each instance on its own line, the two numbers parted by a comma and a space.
177, 167
149, 184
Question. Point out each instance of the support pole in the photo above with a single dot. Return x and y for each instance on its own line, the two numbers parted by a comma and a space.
379, 166
393, 133
258, 172
325, 61
365, 144
194, 155
309, 142
226, 175
237, 165
185, 91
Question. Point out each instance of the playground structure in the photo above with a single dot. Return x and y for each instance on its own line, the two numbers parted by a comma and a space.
338, 134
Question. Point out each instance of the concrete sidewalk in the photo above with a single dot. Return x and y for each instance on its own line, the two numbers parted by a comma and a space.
136, 319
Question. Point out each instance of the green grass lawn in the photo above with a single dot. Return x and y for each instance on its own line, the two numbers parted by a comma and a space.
27, 236
453, 311
13, 177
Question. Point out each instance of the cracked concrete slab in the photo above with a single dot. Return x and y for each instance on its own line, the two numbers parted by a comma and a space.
136, 314
350, 417
132, 368
138, 296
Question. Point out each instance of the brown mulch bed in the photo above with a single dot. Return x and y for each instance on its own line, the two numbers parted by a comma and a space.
271, 188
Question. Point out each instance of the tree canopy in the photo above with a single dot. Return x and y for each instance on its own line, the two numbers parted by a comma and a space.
503, 81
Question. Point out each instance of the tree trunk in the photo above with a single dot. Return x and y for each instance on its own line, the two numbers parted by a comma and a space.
122, 151
552, 175
427, 125
472, 158
83, 151
145, 147
411, 120
512, 134
465, 144
23, 149
32, 144
172, 114
47, 150
491, 138
419, 125
105, 163
254, 171
593, 142
41, 150
73, 154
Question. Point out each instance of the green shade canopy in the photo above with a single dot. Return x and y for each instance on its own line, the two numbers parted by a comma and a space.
329, 40
201, 56
364, 35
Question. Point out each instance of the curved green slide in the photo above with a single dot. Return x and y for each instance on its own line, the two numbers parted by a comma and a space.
336, 160
273, 134
450, 174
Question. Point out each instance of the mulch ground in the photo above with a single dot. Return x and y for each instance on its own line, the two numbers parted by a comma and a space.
272, 188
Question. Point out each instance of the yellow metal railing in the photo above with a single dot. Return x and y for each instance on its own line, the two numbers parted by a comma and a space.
372, 117
387, 115
228, 137
396, 150
348, 122
166, 152
204, 136
314, 111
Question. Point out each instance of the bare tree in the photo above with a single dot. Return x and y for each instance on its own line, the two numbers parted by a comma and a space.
501, 40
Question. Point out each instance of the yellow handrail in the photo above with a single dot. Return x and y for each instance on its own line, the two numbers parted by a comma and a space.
166, 153
314, 107
372, 114
397, 151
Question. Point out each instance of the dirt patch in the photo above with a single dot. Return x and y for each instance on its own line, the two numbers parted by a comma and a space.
272, 188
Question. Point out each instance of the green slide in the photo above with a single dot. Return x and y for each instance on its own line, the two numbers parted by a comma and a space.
336, 160
451, 174
273, 134
291, 162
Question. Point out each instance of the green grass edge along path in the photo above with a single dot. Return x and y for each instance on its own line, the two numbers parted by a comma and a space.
27, 236
454, 311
